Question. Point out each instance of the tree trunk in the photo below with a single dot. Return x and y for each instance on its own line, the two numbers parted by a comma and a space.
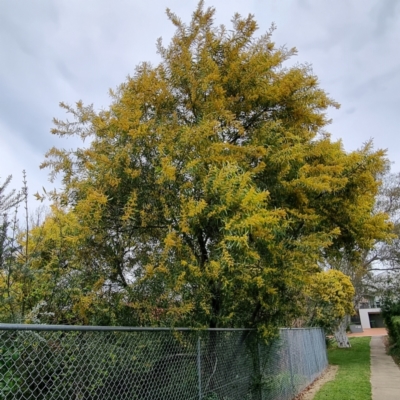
340, 334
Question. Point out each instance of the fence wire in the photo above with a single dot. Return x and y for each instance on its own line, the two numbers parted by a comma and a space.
93, 363
291, 363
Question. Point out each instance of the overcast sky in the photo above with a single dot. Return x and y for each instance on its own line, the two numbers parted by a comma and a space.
70, 50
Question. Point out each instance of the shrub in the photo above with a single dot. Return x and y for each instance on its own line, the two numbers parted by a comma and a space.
395, 330
391, 316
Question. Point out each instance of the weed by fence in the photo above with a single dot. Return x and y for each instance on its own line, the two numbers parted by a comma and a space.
93, 363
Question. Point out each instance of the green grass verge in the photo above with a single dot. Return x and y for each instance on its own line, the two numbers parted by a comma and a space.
352, 380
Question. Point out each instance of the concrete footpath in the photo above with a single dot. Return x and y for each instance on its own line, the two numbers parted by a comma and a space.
385, 374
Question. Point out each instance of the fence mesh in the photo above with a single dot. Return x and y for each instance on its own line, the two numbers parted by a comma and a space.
39, 362
291, 363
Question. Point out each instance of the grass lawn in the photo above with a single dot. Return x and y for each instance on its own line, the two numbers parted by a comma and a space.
352, 380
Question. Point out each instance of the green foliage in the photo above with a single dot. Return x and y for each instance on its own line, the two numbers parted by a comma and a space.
9, 379
391, 316
352, 380
395, 331
390, 307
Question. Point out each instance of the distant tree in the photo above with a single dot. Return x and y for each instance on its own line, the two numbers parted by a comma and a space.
8, 201
16, 275
209, 191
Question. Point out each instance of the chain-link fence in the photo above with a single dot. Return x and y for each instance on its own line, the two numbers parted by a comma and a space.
93, 363
291, 363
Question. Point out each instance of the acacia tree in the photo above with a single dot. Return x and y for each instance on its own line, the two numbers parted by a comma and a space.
209, 190
329, 298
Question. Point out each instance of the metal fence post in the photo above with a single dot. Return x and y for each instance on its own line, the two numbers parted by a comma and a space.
199, 365
323, 343
315, 349
260, 369
290, 362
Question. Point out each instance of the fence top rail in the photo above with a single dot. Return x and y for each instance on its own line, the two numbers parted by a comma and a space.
86, 328
311, 328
